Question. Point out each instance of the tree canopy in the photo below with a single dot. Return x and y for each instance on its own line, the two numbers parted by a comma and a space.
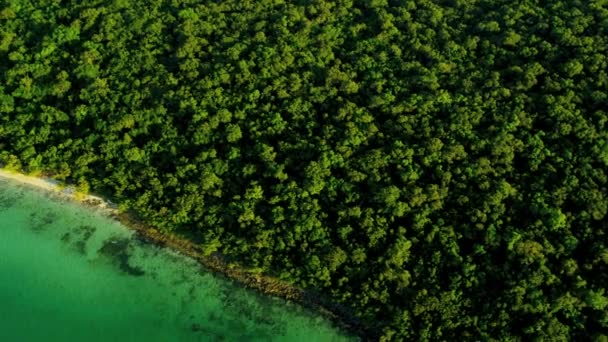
438, 166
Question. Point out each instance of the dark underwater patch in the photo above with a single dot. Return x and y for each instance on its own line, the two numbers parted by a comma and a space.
118, 250
78, 237
7, 201
66, 237
84, 233
212, 335
40, 221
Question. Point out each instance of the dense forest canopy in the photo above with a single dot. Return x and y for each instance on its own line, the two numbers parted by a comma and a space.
439, 166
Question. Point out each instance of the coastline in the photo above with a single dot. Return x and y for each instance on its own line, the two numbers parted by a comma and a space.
338, 314
54, 187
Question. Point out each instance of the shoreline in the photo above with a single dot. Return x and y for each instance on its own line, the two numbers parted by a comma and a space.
68, 192
215, 263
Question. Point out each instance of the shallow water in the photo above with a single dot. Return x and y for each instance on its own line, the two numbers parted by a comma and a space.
68, 273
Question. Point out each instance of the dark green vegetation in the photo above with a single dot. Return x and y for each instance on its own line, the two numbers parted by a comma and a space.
438, 166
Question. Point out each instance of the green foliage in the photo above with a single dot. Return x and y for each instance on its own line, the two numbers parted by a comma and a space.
437, 166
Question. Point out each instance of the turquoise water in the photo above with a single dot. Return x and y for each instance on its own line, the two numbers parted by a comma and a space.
68, 273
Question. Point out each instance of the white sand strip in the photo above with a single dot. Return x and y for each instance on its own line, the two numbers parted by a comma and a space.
52, 186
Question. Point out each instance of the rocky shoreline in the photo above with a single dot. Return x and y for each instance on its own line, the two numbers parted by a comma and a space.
337, 313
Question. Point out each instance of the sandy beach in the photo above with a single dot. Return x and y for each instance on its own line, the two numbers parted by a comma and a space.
54, 187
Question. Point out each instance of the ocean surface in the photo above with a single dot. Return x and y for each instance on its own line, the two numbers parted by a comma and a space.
69, 273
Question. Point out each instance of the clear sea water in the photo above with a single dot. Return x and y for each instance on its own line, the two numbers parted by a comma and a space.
69, 273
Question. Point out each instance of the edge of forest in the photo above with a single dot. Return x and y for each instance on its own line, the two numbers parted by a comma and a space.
340, 315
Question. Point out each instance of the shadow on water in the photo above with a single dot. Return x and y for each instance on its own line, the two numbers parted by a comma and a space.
118, 250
